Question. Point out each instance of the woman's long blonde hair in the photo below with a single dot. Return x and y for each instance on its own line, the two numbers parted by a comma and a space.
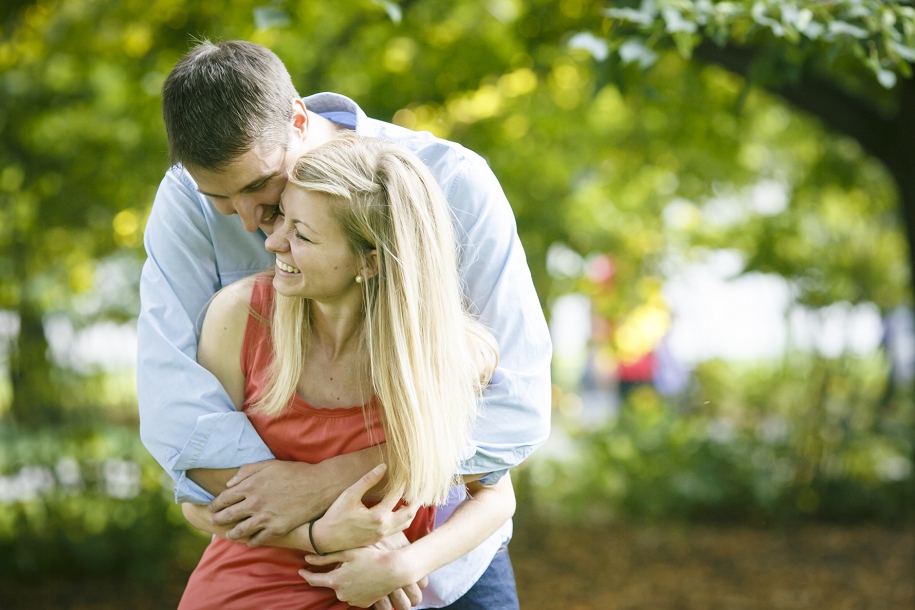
423, 371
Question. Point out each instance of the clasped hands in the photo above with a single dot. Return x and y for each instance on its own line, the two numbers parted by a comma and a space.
270, 500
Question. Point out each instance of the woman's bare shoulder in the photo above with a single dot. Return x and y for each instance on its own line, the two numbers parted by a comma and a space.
222, 336
232, 303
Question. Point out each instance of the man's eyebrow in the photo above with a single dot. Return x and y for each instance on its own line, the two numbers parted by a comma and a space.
258, 181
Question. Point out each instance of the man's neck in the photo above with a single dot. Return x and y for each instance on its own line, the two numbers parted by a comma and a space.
320, 130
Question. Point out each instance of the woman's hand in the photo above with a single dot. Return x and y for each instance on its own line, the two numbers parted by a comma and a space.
380, 575
348, 524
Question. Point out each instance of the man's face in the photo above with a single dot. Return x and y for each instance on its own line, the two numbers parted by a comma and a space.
250, 186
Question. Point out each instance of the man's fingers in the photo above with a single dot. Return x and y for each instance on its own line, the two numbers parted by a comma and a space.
226, 499
245, 529
246, 471
399, 600
260, 538
414, 594
365, 483
423, 583
233, 514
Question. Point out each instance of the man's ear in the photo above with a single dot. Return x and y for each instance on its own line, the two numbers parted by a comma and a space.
299, 124
370, 269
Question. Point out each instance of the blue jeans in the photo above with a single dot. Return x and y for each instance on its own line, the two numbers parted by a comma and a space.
494, 591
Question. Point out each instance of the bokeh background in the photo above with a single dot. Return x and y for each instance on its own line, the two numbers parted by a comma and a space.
717, 202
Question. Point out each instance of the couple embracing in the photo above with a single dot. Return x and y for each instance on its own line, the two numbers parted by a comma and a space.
344, 423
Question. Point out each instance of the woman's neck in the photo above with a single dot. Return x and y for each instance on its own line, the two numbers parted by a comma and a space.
336, 328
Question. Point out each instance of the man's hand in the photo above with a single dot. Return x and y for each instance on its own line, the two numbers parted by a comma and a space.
269, 499
378, 576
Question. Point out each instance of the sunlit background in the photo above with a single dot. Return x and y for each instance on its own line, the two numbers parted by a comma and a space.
726, 273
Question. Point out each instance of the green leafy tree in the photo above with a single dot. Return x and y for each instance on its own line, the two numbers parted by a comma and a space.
846, 62
592, 151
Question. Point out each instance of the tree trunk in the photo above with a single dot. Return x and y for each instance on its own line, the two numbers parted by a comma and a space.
36, 401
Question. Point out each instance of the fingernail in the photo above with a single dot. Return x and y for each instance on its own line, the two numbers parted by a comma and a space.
380, 468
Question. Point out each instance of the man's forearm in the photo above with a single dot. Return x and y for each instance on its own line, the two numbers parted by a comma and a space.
274, 497
211, 479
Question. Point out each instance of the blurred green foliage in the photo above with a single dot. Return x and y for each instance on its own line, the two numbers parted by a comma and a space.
591, 150
90, 503
807, 438
596, 155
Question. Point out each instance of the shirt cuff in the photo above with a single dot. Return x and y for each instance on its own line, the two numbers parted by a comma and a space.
495, 460
493, 477
222, 440
188, 491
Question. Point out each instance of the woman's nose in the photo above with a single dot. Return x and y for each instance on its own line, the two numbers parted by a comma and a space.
276, 241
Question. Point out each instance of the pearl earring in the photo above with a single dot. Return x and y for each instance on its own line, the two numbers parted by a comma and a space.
358, 279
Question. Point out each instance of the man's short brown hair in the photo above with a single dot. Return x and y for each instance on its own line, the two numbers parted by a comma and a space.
220, 99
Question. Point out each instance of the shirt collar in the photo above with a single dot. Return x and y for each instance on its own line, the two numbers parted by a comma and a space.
334, 102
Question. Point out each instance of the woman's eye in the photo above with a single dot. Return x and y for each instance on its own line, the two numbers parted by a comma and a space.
302, 237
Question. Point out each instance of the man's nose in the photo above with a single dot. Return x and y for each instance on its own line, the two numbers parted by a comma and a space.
250, 212
276, 224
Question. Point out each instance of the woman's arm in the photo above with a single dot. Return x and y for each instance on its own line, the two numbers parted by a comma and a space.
348, 523
368, 574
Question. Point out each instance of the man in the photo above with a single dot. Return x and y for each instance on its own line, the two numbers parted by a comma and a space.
235, 126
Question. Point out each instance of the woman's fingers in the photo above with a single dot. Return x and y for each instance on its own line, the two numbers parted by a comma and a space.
388, 502
400, 520
399, 600
326, 560
316, 579
414, 594
383, 604
369, 480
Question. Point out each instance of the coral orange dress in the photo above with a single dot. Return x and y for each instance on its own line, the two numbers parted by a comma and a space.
232, 576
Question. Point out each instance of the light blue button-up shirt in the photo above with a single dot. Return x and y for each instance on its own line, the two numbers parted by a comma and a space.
186, 418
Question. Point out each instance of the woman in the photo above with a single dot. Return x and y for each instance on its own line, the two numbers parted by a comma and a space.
364, 308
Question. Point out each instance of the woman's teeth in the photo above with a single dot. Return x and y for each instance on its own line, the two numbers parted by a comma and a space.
286, 268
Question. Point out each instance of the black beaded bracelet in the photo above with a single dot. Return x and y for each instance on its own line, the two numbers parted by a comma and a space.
311, 538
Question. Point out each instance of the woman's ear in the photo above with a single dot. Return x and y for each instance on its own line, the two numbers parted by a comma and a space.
370, 268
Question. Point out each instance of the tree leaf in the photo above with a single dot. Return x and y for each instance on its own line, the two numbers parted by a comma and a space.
266, 17
634, 50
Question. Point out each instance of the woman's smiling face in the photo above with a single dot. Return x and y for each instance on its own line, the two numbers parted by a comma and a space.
313, 256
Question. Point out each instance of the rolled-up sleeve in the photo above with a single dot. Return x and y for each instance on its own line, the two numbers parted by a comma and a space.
186, 418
